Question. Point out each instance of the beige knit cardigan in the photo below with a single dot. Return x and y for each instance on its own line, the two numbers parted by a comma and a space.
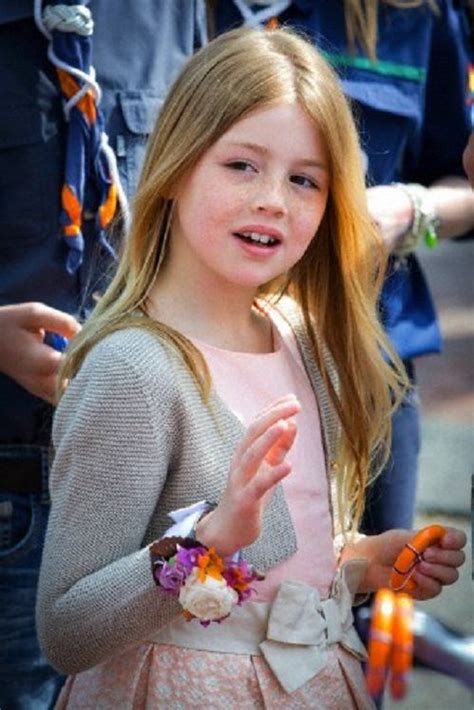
134, 441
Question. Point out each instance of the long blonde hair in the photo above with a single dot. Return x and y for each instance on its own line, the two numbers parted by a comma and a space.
338, 279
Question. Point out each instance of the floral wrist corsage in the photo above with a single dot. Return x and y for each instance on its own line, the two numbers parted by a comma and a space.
207, 586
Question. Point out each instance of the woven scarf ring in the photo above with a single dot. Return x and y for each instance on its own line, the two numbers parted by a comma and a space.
68, 26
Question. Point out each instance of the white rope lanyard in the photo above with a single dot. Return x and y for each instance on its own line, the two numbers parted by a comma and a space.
258, 18
78, 18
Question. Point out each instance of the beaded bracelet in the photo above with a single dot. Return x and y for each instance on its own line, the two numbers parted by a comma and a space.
207, 585
425, 221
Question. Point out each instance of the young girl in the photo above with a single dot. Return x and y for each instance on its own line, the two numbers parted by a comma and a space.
251, 272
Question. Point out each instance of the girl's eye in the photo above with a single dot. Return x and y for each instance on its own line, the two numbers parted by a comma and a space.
304, 181
242, 165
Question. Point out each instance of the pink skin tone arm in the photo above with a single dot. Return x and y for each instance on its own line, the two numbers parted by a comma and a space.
391, 208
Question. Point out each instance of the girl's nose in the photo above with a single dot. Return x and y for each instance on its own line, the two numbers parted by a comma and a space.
269, 198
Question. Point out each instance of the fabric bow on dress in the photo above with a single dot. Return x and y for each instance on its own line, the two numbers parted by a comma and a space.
301, 627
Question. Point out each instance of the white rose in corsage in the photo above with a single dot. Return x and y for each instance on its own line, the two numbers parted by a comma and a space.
209, 600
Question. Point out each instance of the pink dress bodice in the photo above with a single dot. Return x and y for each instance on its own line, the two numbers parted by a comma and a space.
249, 382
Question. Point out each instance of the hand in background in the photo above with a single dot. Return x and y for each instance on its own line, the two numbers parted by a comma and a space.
258, 465
392, 210
438, 569
23, 355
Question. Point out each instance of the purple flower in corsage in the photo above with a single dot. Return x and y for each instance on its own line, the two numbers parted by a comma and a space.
171, 577
188, 558
240, 575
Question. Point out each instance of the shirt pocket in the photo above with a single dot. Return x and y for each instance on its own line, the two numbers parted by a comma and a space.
31, 167
18, 526
139, 110
388, 116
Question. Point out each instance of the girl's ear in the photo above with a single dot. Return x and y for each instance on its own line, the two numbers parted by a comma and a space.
169, 193
174, 191
181, 183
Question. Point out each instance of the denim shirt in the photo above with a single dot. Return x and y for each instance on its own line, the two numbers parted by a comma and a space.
413, 122
138, 49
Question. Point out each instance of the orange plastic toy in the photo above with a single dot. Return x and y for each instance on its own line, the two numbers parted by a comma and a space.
411, 555
390, 646
402, 649
380, 641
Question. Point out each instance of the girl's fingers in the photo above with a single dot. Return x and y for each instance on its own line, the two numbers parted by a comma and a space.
269, 477
284, 409
427, 587
269, 412
444, 574
276, 403
280, 449
254, 456
453, 539
450, 558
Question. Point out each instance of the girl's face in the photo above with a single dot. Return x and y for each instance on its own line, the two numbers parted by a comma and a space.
250, 207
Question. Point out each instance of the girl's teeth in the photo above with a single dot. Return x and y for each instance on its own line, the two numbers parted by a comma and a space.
261, 238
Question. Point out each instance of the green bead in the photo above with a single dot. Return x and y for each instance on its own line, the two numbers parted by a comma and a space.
431, 239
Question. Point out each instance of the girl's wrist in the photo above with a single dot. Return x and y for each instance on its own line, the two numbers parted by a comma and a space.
209, 532
359, 547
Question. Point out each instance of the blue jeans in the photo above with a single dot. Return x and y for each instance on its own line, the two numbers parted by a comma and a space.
390, 501
27, 682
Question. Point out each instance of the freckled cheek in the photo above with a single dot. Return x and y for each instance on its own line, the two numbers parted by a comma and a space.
306, 230
226, 208
212, 217
230, 196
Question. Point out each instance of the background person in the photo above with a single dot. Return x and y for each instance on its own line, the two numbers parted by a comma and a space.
137, 49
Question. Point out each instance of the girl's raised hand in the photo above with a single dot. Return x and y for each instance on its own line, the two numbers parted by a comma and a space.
257, 466
437, 569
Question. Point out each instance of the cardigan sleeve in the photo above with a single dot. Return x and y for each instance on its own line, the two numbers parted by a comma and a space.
113, 437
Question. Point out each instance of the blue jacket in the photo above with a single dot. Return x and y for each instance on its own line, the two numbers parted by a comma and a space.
137, 49
413, 121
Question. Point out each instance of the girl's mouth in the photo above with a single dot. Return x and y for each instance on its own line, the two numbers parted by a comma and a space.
257, 239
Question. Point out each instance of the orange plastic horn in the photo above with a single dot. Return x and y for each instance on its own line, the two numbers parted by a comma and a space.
402, 648
411, 555
380, 641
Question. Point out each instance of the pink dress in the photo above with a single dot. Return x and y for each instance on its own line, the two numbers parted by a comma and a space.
154, 675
